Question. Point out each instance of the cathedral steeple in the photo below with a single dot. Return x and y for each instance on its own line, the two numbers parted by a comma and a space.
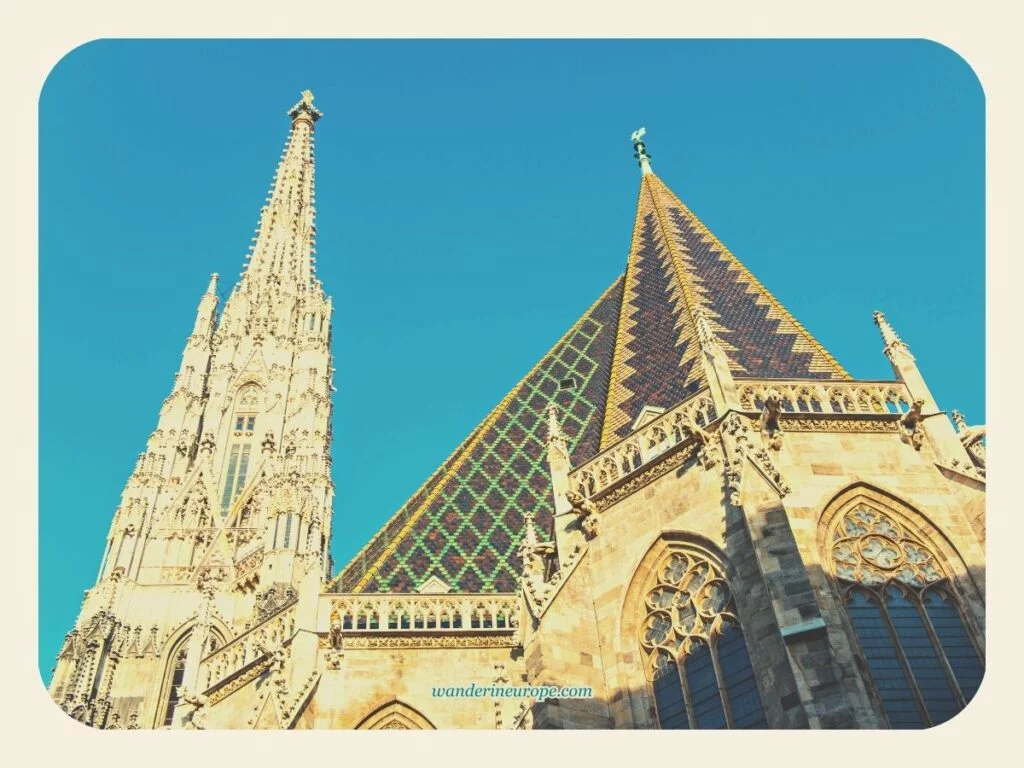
282, 255
230, 503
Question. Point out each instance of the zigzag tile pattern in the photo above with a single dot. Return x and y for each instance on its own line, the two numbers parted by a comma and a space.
676, 266
635, 346
659, 367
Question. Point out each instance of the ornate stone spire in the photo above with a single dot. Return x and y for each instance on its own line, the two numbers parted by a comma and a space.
640, 151
281, 257
206, 316
890, 338
705, 335
556, 437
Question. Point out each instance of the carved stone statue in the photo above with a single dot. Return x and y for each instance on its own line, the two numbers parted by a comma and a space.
585, 511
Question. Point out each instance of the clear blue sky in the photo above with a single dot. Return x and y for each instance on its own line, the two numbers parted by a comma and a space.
474, 198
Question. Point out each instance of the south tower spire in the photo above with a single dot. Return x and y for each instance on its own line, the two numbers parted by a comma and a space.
227, 514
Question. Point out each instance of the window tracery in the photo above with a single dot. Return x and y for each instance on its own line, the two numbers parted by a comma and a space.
696, 656
906, 616
240, 444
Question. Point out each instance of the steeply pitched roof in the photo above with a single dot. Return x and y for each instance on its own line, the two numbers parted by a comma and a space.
635, 347
465, 523
677, 267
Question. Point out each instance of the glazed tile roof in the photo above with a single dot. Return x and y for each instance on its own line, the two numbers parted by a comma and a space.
676, 266
635, 346
464, 525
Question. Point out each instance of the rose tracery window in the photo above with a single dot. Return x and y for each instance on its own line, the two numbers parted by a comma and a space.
697, 658
908, 622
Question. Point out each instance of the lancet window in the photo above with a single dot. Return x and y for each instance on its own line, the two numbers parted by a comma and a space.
696, 655
920, 655
241, 443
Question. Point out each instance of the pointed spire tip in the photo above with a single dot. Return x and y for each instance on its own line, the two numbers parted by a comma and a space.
640, 151
305, 109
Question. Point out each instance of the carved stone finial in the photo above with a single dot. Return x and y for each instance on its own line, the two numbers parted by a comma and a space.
890, 338
529, 532
555, 432
705, 336
640, 151
304, 109
211, 289
268, 445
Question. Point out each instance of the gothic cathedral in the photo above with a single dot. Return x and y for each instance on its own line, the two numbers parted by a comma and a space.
687, 509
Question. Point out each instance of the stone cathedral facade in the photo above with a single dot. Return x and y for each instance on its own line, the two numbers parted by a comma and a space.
687, 509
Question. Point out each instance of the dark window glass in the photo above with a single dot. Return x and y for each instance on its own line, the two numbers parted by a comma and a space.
229, 479
668, 698
959, 650
243, 469
884, 664
250, 423
176, 678
939, 699
738, 679
703, 685
239, 423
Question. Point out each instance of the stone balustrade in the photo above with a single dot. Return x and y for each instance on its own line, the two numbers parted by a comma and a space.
812, 396
247, 647
411, 613
684, 422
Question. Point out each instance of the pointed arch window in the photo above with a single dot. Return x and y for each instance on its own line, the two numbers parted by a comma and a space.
240, 444
176, 674
697, 657
920, 655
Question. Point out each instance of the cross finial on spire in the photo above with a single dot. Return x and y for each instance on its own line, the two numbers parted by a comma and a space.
305, 109
640, 153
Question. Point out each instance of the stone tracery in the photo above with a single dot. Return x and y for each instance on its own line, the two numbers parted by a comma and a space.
696, 657
906, 616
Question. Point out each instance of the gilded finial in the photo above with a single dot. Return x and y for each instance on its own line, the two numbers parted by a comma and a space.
640, 151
